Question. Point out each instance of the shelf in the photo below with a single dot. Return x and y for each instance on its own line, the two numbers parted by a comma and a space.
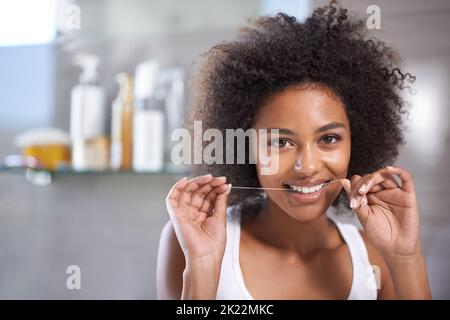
44, 177
21, 170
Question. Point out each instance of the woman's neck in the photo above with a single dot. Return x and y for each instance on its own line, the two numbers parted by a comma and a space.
275, 227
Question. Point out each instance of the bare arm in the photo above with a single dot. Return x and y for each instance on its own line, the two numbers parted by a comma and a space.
409, 276
193, 243
389, 213
176, 280
170, 265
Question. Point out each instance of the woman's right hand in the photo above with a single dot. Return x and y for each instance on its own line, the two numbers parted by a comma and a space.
198, 209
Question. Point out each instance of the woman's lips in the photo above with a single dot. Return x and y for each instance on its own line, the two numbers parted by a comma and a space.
298, 197
305, 183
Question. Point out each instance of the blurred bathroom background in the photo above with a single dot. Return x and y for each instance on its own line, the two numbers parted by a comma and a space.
109, 222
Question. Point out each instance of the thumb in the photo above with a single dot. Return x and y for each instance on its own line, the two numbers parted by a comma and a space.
361, 211
221, 204
347, 186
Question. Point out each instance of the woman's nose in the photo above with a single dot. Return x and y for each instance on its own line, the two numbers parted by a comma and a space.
307, 161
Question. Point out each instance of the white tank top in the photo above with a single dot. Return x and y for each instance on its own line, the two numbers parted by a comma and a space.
232, 285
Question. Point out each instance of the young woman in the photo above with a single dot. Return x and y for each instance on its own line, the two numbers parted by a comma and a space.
335, 98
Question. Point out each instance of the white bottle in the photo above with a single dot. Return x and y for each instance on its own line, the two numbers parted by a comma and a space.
87, 119
148, 125
172, 87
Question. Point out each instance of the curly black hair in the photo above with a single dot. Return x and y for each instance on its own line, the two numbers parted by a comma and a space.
274, 53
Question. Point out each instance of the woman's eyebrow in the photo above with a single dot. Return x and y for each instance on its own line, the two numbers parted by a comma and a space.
332, 125
281, 131
329, 126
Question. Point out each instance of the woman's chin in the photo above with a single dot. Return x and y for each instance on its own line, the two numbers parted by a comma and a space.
305, 214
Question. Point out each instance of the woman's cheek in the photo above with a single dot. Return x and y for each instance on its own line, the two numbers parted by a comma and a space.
269, 180
338, 160
337, 163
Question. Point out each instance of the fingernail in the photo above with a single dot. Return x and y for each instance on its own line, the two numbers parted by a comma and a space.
363, 188
353, 203
182, 180
229, 189
222, 178
364, 201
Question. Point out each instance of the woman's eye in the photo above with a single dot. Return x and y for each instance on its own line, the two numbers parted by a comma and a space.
330, 139
279, 143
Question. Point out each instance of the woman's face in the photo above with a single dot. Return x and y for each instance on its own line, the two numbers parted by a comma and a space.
313, 146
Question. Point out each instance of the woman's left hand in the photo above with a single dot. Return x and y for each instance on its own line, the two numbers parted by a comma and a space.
388, 212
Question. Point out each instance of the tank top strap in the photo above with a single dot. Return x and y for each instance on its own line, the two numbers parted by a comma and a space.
364, 284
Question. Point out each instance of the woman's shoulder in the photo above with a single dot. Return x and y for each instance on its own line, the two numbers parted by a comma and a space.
170, 264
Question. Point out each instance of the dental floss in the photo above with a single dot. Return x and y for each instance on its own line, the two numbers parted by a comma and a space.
255, 188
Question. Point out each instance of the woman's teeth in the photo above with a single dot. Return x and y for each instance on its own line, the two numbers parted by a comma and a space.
307, 189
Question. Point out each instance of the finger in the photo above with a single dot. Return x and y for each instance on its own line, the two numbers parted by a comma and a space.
218, 181
359, 202
369, 182
380, 178
220, 205
208, 206
354, 197
405, 176
376, 188
362, 211
354, 181
208, 202
390, 182
346, 184
347, 187
361, 184
175, 191
393, 197
192, 185
199, 195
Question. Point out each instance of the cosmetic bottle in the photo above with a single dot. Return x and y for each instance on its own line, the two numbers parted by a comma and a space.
148, 124
87, 118
171, 90
121, 124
